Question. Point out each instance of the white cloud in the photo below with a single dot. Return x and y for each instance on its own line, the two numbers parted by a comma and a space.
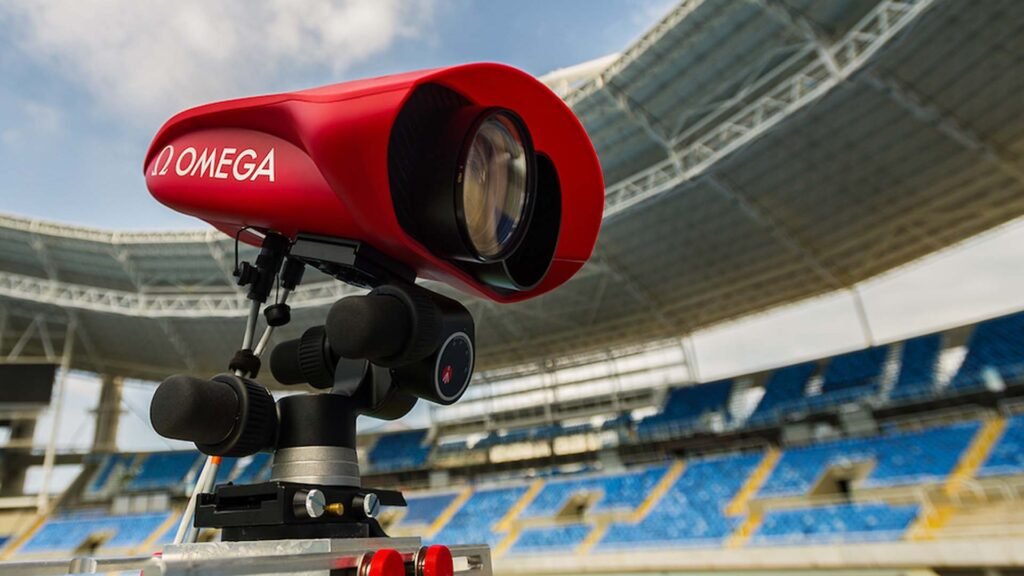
158, 56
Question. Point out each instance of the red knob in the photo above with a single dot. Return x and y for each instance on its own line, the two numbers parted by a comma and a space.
387, 562
438, 562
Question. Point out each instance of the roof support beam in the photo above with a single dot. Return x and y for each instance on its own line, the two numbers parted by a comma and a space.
147, 305
852, 52
124, 258
644, 297
915, 103
44, 338
86, 340
641, 118
787, 239
177, 342
776, 230
26, 335
39, 247
214, 243
670, 21
805, 28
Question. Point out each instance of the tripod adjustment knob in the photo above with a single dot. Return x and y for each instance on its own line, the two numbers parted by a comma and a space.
224, 416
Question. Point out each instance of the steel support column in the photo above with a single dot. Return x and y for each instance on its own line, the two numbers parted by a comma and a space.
108, 415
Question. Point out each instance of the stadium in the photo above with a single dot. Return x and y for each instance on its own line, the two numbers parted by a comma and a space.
756, 156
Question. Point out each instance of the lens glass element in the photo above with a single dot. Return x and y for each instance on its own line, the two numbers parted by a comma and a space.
494, 186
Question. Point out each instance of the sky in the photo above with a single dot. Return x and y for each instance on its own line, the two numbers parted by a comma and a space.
85, 86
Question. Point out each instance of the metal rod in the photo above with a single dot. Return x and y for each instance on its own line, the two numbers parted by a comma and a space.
51, 447
250, 325
190, 508
192, 533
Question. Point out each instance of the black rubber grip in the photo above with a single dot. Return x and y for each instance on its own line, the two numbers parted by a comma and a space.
284, 363
194, 410
374, 327
303, 360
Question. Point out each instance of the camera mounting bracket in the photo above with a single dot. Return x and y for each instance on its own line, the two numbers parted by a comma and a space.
350, 261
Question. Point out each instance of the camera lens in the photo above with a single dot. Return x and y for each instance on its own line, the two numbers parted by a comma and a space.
495, 189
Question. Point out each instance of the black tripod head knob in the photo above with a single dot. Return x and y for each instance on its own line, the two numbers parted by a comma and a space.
225, 416
393, 325
304, 360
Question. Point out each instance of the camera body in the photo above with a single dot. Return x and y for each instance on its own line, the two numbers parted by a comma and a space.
364, 161
477, 176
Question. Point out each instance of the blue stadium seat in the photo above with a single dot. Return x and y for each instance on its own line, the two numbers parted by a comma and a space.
691, 512
474, 522
65, 533
785, 388
899, 459
564, 538
919, 363
684, 408
163, 471
619, 491
423, 510
996, 344
1007, 456
858, 522
855, 370
399, 451
108, 466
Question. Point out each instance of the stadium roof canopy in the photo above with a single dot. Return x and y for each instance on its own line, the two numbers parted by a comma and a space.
756, 153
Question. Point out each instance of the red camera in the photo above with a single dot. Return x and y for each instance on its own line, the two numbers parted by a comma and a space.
477, 175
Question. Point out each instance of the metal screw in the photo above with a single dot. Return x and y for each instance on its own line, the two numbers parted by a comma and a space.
310, 503
371, 505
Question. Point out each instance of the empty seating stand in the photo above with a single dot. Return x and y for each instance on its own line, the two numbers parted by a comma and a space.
904, 458
855, 522
105, 474
163, 471
622, 491
548, 539
474, 522
919, 361
424, 509
1007, 456
853, 375
691, 513
684, 409
400, 451
64, 534
996, 345
785, 388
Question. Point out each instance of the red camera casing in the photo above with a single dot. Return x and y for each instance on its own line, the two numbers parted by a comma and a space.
316, 162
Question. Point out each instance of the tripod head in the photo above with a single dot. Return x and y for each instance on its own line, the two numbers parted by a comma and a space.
375, 355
